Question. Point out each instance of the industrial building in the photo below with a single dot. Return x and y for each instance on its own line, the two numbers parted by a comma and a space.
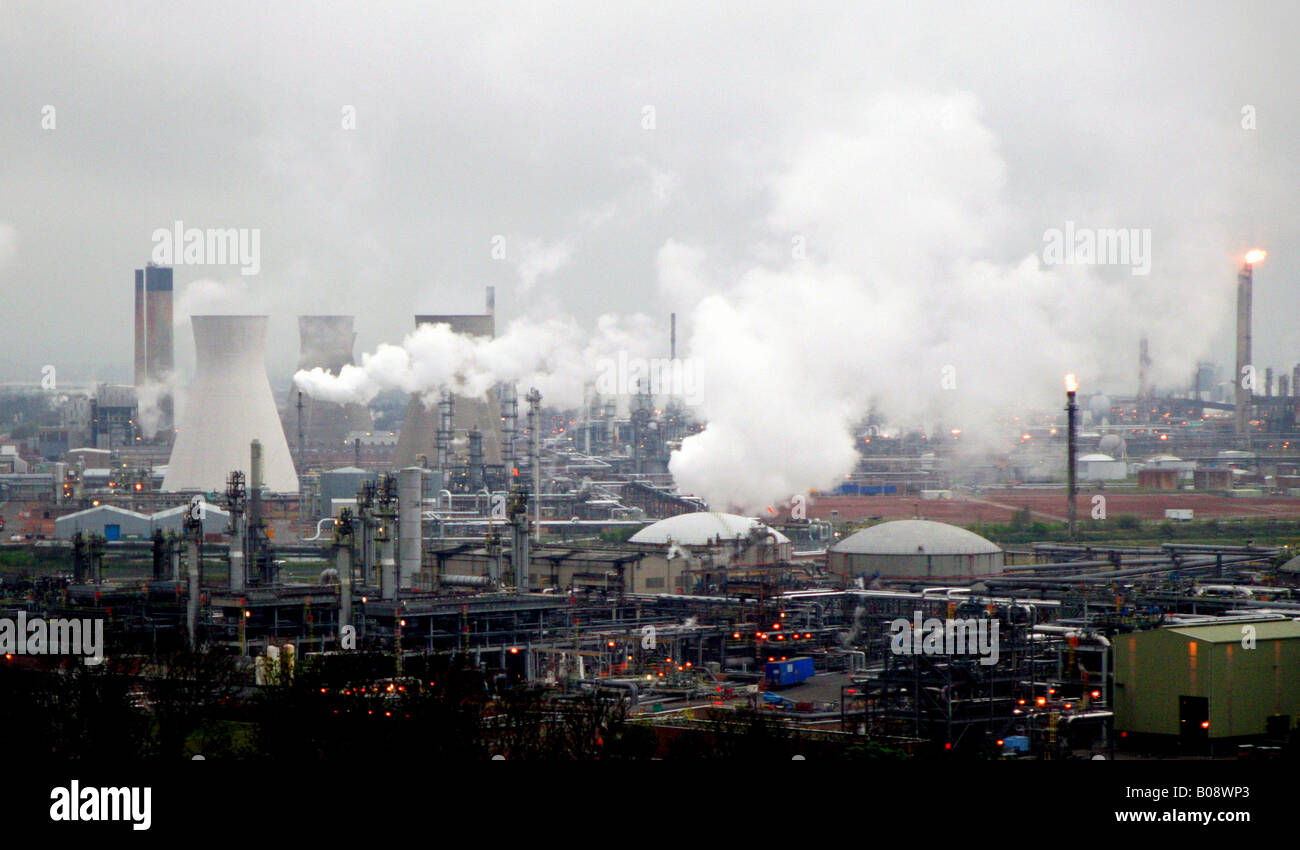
914, 549
1208, 681
1101, 467
114, 523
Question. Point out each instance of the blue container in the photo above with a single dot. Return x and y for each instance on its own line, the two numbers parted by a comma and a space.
789, 672
1015, 744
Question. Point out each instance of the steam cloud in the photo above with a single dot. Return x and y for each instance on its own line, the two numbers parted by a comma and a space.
892, 291
555, 355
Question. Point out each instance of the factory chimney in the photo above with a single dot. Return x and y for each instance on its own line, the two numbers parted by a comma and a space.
154, 349
1244, 379
1144, 367
1071, 451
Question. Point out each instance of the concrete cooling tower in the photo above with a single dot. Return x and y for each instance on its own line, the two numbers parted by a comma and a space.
228, 406
419, 434
327, 343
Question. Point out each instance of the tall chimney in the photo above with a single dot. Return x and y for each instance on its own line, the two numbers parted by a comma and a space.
672, 336
1244, 385
1144, 364
1071, 452
141, 369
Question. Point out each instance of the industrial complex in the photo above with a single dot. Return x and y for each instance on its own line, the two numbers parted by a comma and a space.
1117, 580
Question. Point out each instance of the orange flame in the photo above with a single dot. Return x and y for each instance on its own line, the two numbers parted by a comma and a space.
1255, 255
1071, 383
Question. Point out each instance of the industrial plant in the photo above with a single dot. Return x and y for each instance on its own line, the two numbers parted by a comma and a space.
1115, 578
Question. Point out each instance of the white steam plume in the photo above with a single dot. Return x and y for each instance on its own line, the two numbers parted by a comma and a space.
890, 300
556, 356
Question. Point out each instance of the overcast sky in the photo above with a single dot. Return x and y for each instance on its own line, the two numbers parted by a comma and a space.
529, 121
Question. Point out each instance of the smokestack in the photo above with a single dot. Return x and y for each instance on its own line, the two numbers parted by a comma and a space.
235, 495
1268, 381
255, 484
193, 570
229, 405
1071, 451
343, 563
154, 354
410, 513
160, 353
1284, 384
492, 301
535, 455
141, 369
1144, 365
1244, 379
672, 336
446, 420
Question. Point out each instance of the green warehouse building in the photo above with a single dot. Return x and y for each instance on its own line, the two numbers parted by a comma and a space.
1208, 682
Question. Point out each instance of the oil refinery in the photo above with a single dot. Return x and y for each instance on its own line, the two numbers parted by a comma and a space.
389, 392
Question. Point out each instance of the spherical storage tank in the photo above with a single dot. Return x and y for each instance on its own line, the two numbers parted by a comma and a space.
915, 549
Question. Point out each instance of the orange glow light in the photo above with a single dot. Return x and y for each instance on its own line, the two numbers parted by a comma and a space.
1071, 383
1255, 255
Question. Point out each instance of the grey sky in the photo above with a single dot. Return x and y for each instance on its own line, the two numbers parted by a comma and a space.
475, 120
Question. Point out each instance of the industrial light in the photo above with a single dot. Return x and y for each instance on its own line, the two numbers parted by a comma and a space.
1205, 724
1255, 255
1041, 701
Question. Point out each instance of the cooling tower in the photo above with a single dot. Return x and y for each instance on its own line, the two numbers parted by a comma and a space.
229, 405
420, 429
327, 343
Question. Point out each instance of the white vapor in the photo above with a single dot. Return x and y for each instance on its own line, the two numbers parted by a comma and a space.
893, 284
556, 356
